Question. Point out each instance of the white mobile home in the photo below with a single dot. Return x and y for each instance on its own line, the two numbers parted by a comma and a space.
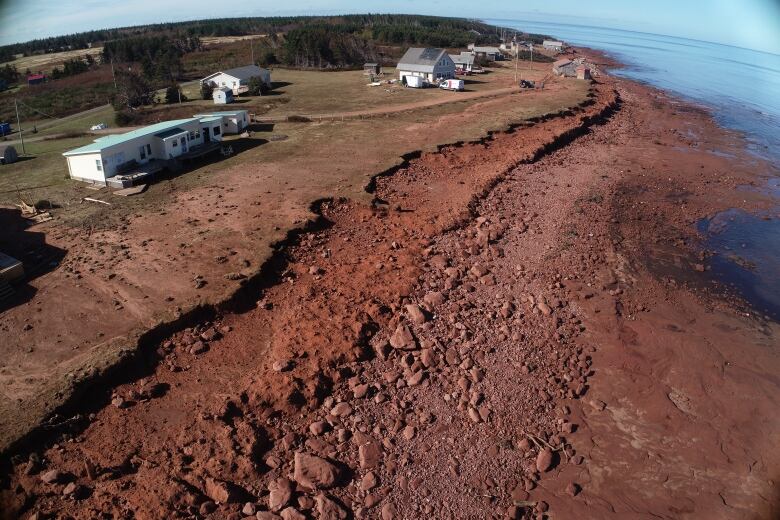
429, 64
143, 151
233, 122
238, 79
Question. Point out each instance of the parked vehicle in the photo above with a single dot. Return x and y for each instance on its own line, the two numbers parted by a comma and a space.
456, 85
99, 126
414, 81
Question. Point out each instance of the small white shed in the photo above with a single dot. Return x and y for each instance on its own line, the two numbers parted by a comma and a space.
222, 96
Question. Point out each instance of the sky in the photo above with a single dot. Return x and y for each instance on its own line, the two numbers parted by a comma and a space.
754, 24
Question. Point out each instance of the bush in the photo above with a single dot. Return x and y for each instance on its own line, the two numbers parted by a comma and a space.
255, 86
173, 94
206, 91
124, 118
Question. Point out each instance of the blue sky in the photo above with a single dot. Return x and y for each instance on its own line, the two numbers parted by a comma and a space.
753, 24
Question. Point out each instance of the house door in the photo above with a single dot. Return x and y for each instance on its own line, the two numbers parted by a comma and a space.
206, 135
183, 142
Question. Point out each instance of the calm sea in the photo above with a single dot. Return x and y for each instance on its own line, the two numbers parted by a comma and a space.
742, 89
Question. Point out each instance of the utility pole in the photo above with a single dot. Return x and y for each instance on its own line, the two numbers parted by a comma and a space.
531, 47
19, 124
113, 75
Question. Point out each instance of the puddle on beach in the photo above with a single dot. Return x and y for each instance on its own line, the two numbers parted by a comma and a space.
747, 258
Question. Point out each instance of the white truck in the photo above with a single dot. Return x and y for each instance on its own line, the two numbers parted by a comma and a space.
414, 81
456, 85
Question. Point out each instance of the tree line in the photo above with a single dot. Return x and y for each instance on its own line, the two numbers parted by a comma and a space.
241, 27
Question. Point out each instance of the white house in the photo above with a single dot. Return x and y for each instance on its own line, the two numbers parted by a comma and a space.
222, 95
552, 45
238, 79
233, 122
463, 61
430, 64
143, 149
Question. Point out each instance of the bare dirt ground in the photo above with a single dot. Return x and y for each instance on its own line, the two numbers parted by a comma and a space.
518, 328
109, 274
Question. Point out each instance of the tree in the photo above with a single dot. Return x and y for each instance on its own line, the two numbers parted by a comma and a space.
206, 90
173, 94
255, 86
133, 91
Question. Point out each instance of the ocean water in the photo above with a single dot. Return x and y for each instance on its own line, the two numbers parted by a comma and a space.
741, 87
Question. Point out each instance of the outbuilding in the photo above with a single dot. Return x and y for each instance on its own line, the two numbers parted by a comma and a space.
5, 129
36, 79
238, 79
11, 269
431, 64
565, 68
372, 69
222, 95
583, 72
8, 154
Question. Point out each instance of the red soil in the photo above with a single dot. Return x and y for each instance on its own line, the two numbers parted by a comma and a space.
429, 356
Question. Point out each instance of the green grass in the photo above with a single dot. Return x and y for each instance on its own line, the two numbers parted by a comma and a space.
42, 174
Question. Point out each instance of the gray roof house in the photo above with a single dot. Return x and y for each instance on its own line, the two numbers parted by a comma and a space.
464, 60
428, 63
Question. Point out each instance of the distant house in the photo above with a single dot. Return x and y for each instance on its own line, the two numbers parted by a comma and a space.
8, 154
583, 72
238, 79
110, 157
553, 45
371, 68
36, 79
565, 68
488, 53
428, 63
222, 95
463, 61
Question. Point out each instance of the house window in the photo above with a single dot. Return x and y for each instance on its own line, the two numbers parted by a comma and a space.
192, 136
197, 134
217, 131
99, 165
149, 150
142, 149
175, 144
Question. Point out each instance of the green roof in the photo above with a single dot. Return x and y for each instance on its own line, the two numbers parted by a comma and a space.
170, 132
112, 140
220, 114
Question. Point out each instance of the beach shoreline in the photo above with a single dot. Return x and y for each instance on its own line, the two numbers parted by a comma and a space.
575, 317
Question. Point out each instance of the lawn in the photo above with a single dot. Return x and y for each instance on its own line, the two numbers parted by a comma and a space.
42, 174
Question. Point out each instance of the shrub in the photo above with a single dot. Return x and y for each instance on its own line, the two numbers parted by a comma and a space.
206, 91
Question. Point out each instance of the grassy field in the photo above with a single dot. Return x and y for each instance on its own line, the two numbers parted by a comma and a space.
44, 176
47, 62
299, 92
